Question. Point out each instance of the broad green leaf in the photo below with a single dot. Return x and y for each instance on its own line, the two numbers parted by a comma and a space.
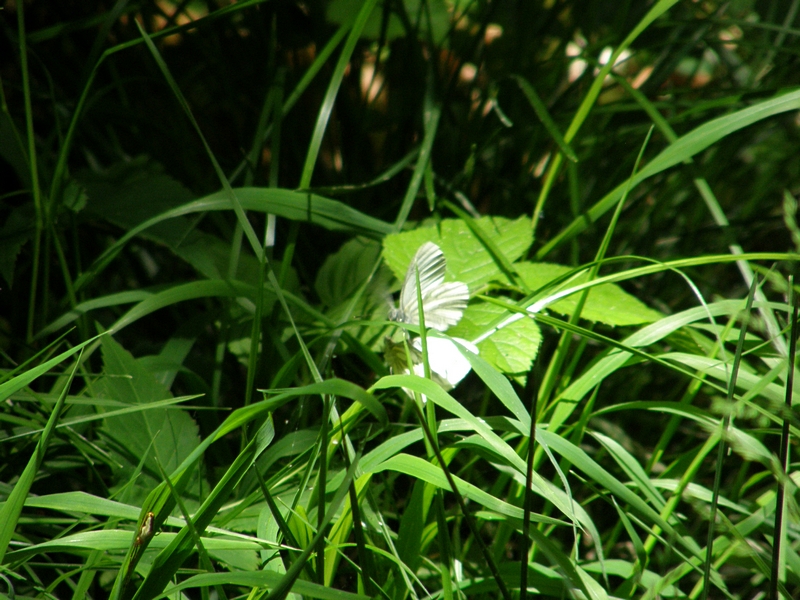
607, 303
131, 192
510, 349
467, 259
12, 148
343, 272
160, 436
15, 232
210, 256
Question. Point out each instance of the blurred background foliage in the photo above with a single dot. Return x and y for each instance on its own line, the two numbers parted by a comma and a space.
700, 61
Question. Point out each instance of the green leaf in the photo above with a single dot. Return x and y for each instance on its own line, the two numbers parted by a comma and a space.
12, 148
344, 271
511, 349
467, 258
607, 303
131, 192
164, 435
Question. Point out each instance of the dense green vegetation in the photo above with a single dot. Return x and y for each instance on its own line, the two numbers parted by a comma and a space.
208, 207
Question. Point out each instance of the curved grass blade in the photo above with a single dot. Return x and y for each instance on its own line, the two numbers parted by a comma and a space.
12, 509
425, 471
681, 150
540, 109
282, 589
175, 554
333, 89
264, 578
296, 206
724, 426
780, 534
241, 217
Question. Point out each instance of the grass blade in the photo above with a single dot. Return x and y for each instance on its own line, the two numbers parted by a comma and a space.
11, 510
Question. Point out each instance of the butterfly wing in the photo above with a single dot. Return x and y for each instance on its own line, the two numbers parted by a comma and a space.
429, 261
443, 303
448, 364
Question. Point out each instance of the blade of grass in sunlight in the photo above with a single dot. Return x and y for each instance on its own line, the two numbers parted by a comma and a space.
586, 107
724, 426
173, 556
679, 151
12, 508
285, 203
780, 543
287, 582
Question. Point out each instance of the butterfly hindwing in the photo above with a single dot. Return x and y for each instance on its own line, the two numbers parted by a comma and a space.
447, 363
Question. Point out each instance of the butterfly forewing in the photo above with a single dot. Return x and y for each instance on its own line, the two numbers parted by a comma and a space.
429, 261
442, 303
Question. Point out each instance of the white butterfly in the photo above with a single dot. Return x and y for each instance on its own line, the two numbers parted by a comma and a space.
442, 303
